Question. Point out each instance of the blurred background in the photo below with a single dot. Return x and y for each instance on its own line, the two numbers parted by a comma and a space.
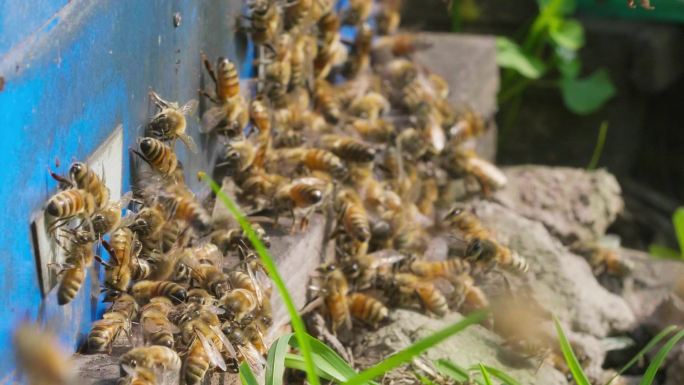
587, 83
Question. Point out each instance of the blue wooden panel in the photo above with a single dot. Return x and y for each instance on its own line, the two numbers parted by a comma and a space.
73, 71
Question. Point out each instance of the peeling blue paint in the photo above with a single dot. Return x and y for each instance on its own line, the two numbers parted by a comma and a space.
73, 71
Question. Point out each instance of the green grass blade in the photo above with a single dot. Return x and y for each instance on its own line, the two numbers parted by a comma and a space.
452, 370
570, 358
650, 345
275, 362
508, 380
598, 149
405, 355
485, 375
246, 375
294, 361
323, 351
265, 256
678, 222
660, 357
424, 380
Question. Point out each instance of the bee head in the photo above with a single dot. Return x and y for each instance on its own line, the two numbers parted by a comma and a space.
77, 170
146, 145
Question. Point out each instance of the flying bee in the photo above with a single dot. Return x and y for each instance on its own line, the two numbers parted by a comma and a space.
264, 21
156, 327
143, 291
79, 258
153, 357
358, 12
348, 148
369, 106
39, 357
465, 162
489, 253
352, 214
240, 305
170, 123
367, 309
104, 332
302, 194
468, 296
158, 155
68, 204
603, 259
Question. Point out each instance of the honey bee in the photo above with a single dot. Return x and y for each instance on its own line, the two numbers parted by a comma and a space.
170, 123
365, 270
303, 48
181, 205
296, 13
265, 21
39, 357
200, 296
603, 259
301, 194
348, 148
226, 79
367, 309
206, 341
490, 253
468, 296
335, 290
109, 218
328, 56
388, 17
242, 338
143, 291
79, 258
158, 155
261, 118
278, 68
83, 177
239, 155
358, 11
210, 278
68, 204
148, 222
353, 216
489, 177
325, 101
369, 106
105, 331
125, 304
438, 269
154, 357
410, 286
359, 58
157, 329
469, 125
122, 249
240, 305
230, 114
378, 131
228, 240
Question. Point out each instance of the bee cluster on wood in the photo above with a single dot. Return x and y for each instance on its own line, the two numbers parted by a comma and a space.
356, 130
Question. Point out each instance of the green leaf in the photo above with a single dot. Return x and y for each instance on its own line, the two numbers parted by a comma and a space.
405, 355
678, 222
660, 251
452, 370
584, 96
327, 360
485, 375
275, 361
272, 270
650, 345
567, 62
558, 7
246, 375
510, 55
424, 380
569, 355
660, 357
294, 361
567, 33
508, 380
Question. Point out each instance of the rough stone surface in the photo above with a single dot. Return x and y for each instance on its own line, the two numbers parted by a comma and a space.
573, 204
469, 347
560, 280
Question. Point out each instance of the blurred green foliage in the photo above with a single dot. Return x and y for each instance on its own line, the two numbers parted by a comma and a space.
549, 51
666, 252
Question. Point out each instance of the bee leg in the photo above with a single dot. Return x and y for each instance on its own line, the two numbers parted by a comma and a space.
208, 96
208, 66
63, 182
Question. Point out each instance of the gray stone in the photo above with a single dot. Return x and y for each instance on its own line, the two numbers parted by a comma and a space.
469, 347
561, 281
573, 204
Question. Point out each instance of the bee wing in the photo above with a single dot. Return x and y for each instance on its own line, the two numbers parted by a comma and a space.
190, 107
255, 361
189, 142
224, 340
257, 287
128, 369
492, 172
385, 257
151, 325
212, 119
213, 353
